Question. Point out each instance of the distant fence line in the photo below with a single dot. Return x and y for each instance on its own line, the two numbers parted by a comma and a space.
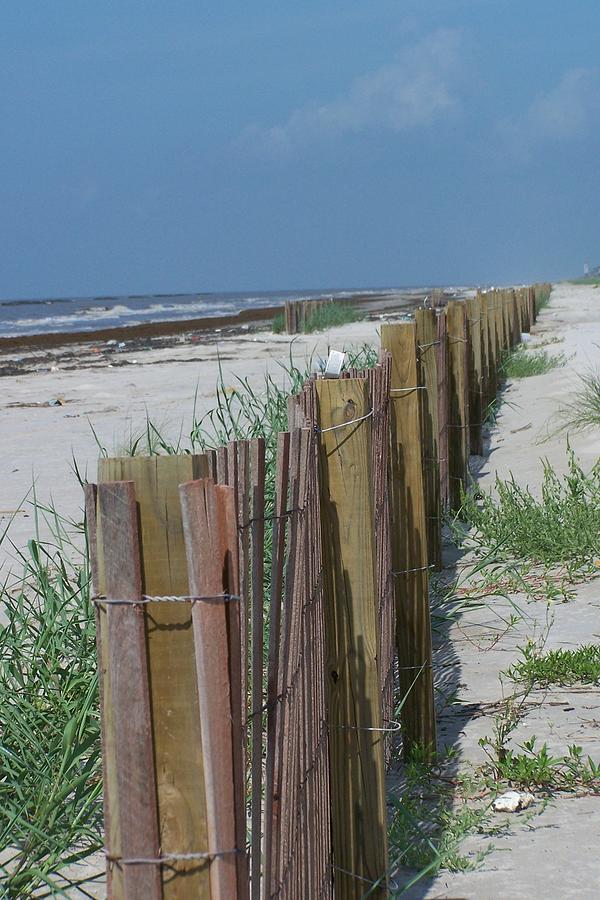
248, 716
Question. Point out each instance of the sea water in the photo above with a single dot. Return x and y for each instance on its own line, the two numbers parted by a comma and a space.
60, 314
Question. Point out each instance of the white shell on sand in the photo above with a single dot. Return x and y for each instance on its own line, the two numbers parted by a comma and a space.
512, 801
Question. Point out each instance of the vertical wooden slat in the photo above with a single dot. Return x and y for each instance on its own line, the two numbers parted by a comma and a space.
280, 821
356, 753
458, 422
273, 703
379, 388
499, 305
492, 348
474, 332
485, 361
110, 795
257, 483
413, 626
515, 319
238, 669
211, 456
292, 846
426, 330
442, 374
207, 552
222, 454
129, 699
172, 670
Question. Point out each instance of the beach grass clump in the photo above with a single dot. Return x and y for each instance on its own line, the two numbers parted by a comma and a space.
561, 526
564, 667
523, 362
330, 315
582, 412
50, 767
326, 315
542, 298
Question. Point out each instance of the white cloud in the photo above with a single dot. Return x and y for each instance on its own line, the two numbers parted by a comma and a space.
413, 91
564, 113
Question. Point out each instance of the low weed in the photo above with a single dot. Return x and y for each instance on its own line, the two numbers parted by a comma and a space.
523, 362
536, 767
557, 666
432, 815
562, 526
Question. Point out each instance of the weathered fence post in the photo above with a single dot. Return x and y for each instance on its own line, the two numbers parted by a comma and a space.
427, 342
498, 308
356, 739
484, 385
171, 664
458, 421
492, 364
474, 332
442, 392
409, 548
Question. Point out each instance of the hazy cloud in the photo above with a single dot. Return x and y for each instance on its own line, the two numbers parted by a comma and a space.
563, 113
413, 91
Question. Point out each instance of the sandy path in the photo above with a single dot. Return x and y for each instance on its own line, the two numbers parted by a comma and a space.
555, 854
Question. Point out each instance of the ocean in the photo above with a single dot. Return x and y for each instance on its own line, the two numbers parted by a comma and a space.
74, 314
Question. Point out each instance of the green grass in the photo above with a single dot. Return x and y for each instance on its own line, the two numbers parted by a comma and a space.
580, 666
543, 298
582, 411
523, 362
278, 324
431, 816
329, 315
535, 768
561, 526
586, 279
50, 770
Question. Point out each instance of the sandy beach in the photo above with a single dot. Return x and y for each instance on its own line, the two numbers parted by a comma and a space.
60, 394
114, 391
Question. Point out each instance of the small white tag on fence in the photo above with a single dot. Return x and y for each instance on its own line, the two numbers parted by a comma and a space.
334, 364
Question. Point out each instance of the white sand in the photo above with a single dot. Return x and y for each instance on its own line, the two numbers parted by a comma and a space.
39, 443
556, 855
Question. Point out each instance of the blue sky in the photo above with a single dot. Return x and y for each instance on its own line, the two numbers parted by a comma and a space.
186, 146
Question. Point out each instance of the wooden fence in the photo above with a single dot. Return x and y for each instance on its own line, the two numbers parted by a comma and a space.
256, 636
298, 313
